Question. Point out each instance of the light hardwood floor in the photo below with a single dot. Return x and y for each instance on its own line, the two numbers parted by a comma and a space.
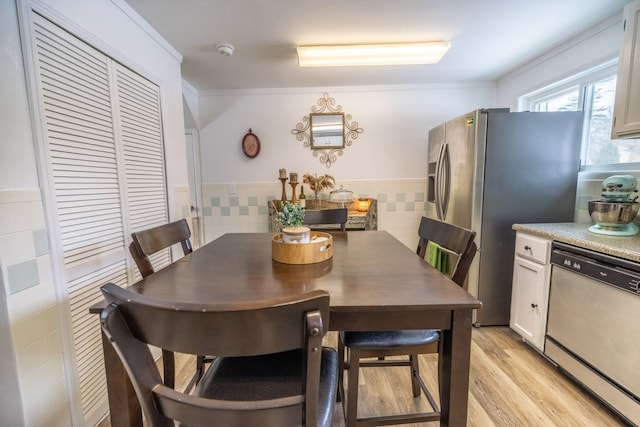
510, 384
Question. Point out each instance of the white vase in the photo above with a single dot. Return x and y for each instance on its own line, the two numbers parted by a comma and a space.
296, 234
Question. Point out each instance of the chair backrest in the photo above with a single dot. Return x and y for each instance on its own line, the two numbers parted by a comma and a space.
148, 242
326, 216
454, 239
131, 321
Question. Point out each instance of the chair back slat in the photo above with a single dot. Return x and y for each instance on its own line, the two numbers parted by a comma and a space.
258, 327
326, 216
454, 239
147, 242
196, 411
131, 321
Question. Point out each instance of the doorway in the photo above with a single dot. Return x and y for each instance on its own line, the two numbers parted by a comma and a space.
195, 186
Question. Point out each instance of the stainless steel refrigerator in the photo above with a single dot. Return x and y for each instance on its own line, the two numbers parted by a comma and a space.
492, 168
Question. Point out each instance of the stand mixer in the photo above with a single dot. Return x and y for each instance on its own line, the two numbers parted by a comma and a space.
614, 214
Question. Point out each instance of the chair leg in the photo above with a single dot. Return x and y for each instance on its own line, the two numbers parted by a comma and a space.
351, 414
199, 368
440, 368
341, 368
169, 367
197, 376
415, 373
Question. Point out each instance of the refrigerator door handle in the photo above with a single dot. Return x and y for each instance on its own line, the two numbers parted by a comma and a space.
443, 182
446, 171
438, 183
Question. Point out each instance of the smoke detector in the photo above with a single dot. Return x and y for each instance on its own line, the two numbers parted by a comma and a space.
225, 49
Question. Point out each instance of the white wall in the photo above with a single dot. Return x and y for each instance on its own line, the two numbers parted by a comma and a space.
46, 395
393, 145
16, 149
599, 44
387, 161
19, 181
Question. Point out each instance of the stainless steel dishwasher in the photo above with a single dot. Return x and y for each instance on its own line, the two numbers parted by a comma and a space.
593, 328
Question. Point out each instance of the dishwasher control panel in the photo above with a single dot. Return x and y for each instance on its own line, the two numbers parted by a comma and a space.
607, 269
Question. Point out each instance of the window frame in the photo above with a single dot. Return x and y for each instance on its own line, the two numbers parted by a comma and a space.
582, 80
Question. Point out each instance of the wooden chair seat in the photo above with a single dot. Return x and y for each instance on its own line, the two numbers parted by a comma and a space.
386, 339
236, 378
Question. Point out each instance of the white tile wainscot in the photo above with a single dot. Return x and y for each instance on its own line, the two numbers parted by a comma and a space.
32, 310
401, 204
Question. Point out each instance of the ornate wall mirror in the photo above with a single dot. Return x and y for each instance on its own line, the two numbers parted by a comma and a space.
327, 130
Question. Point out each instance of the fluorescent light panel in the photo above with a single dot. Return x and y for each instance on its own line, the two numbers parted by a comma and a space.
372, 54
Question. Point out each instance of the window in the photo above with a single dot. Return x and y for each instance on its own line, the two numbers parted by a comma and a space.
593, 92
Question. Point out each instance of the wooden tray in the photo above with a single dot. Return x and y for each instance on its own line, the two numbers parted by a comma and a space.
302, 253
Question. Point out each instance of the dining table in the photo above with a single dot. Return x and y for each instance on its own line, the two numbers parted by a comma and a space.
375, 282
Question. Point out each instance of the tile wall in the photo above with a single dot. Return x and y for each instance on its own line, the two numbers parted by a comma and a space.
401, 204
590, 188
32, 308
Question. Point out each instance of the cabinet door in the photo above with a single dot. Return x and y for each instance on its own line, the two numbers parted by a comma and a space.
626, 119
528, 300
106, 176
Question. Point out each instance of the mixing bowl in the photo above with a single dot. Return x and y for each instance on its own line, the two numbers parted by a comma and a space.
613, 214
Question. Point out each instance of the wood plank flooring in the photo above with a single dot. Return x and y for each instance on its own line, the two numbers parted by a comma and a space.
510, 385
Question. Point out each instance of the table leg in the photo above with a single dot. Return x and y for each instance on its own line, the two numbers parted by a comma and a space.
454, 370
124, 408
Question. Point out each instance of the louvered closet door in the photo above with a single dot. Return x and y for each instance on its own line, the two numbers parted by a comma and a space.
106, 165
143, 151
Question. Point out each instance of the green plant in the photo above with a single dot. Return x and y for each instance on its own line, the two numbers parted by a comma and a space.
290, 214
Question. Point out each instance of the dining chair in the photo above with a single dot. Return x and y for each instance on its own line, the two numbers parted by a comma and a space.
144, 244
272, 369
326, 216
376, 346
152, 240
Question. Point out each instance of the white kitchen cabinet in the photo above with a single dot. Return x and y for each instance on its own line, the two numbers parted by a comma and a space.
530, 288
626, 117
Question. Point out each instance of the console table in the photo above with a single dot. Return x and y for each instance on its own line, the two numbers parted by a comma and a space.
357, 220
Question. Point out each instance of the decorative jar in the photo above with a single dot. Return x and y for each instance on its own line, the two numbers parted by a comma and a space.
296, 234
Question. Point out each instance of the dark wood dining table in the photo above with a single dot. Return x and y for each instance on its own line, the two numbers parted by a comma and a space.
375, 283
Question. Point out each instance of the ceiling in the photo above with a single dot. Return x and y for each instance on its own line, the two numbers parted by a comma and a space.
489, 38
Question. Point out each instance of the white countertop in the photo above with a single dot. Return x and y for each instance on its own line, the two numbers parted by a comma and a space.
576, 234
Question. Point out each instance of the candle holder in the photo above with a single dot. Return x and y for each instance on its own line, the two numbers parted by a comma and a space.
284, 189
293, 185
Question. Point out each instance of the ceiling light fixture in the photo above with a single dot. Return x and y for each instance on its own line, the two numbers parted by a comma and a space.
372, 54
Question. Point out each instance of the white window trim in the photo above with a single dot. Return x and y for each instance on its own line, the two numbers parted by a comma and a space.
592, 75
588, 76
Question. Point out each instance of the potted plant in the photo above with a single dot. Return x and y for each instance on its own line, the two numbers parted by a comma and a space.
291, 216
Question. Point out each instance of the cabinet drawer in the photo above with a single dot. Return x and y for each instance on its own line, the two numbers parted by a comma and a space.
532, 247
